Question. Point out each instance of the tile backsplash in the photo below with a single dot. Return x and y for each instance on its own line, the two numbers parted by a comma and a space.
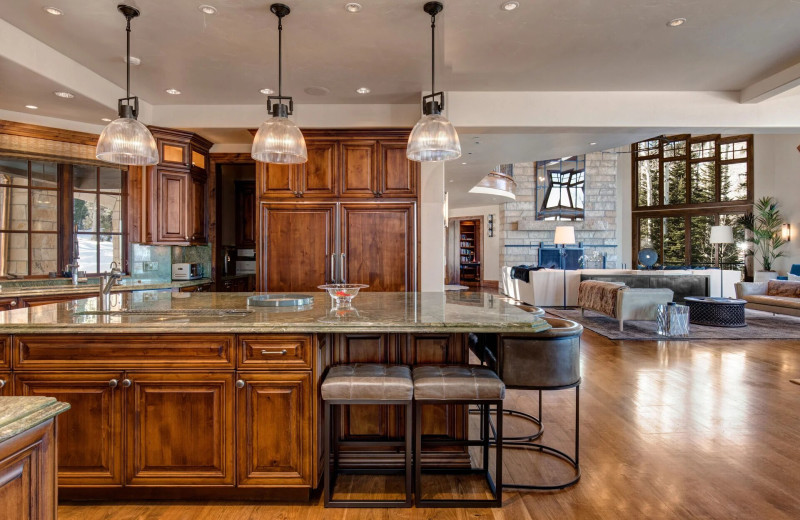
155, 262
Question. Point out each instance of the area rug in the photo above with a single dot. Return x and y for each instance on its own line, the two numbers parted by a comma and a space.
760, 325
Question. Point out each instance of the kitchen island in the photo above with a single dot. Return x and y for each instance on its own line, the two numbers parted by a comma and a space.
197, 395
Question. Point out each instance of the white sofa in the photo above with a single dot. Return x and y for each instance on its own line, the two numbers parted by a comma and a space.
545, 288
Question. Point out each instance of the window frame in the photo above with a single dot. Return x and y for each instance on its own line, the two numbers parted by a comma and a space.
560, 213
65, 194
688, 209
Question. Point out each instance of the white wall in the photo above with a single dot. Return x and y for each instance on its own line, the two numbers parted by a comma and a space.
431, 227
624, 220
490, 261
777, 174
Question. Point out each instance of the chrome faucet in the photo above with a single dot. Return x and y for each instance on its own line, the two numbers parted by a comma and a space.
72, 267
107, 281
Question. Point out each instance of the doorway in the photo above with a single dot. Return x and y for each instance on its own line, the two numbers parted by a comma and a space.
465, 251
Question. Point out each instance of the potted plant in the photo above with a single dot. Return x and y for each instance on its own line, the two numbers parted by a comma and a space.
764, 226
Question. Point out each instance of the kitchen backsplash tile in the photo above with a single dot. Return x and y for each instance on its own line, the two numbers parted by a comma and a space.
150, 262
193, 254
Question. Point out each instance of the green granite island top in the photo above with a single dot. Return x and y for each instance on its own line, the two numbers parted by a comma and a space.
60, 287
168, 312
20, 414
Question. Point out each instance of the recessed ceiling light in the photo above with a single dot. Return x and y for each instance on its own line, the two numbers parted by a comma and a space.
107, 120
173, 91
676, 22
352, 7
32, 107
64, 94
509, 6
267, 91
463, 163
55, 11
207, 9
363, 90
592, 144
133, 59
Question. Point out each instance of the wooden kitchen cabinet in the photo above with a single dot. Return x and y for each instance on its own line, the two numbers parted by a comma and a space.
379, 245
6, 384
27, 474
397, 175
35, 301
172, 206
179, 428
198, 211
277, 181
7, 304
245, 194
359, 169
318, 177
275, 429
90, 435
298, 242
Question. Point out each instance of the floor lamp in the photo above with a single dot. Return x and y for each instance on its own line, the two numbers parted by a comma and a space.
721, 235
565, 235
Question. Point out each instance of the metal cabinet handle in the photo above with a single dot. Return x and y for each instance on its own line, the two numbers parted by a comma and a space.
342, 277
12, 303
112, 383
239, 384
267, 352
2, 383
333, 269
126, 383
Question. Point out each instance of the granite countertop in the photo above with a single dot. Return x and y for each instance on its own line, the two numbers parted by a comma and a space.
20, 414
128, 284
168, 312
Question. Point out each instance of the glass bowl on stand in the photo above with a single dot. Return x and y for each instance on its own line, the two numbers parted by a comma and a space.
342, 294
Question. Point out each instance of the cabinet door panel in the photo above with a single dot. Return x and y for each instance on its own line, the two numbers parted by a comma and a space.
180, 428
173, 197
197, 208
359, 178
6, 384
398, 175
379, 245
298, 244
277, 180
245, 214
27, 479
90, 434
275, 429
318, 174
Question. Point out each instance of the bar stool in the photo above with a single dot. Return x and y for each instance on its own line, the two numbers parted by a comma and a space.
360, 384
468, 385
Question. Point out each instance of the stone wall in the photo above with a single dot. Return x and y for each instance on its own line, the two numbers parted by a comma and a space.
598, 231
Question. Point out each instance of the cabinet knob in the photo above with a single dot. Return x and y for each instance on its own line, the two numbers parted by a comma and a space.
239, 383
2, 383
112, 383
186, 238
126, 383
12, 303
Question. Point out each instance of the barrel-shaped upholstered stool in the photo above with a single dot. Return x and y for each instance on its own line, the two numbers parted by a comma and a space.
361, 384
466, 385
550, 360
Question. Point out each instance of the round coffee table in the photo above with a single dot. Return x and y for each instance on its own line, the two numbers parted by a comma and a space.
716, 312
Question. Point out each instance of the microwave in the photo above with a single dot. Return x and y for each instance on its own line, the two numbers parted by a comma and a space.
187, 271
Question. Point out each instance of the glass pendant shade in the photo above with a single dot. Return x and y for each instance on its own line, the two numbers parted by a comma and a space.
433, 139
497, 184
127, 141
278, 140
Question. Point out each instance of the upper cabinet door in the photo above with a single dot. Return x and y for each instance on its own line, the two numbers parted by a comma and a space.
278, 181
398, 175
359, 172
198, 202
173, 153
318, 175
245, 214
173, 203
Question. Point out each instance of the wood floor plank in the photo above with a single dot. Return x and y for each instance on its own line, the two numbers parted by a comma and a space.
688, 429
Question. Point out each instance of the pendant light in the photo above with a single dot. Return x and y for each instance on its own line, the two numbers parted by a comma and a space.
496, 183
278, 139
126, 140
433, 137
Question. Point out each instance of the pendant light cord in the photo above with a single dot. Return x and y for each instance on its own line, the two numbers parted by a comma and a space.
280, 55
433, 53
128, 61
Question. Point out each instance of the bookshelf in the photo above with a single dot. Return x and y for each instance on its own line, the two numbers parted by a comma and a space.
469, 252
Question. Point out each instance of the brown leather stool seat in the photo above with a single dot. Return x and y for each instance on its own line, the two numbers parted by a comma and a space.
367, 381
365, 384
459, 385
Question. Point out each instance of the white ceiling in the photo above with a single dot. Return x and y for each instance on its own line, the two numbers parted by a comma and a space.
543, 45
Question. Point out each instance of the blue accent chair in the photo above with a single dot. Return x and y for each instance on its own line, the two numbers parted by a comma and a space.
795, 270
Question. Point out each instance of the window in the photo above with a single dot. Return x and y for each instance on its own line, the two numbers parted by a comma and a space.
37, 238
560, 188
683, 185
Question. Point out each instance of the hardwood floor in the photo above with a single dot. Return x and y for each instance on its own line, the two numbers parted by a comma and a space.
695, 429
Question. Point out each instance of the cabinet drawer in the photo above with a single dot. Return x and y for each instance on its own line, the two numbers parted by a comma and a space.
276, 351
125, 351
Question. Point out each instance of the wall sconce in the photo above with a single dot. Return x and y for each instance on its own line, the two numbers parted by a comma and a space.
490, 226
786, 232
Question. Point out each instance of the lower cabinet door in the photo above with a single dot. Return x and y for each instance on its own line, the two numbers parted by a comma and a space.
179, 428
27, 475
275, 429
6, 384
90, 432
